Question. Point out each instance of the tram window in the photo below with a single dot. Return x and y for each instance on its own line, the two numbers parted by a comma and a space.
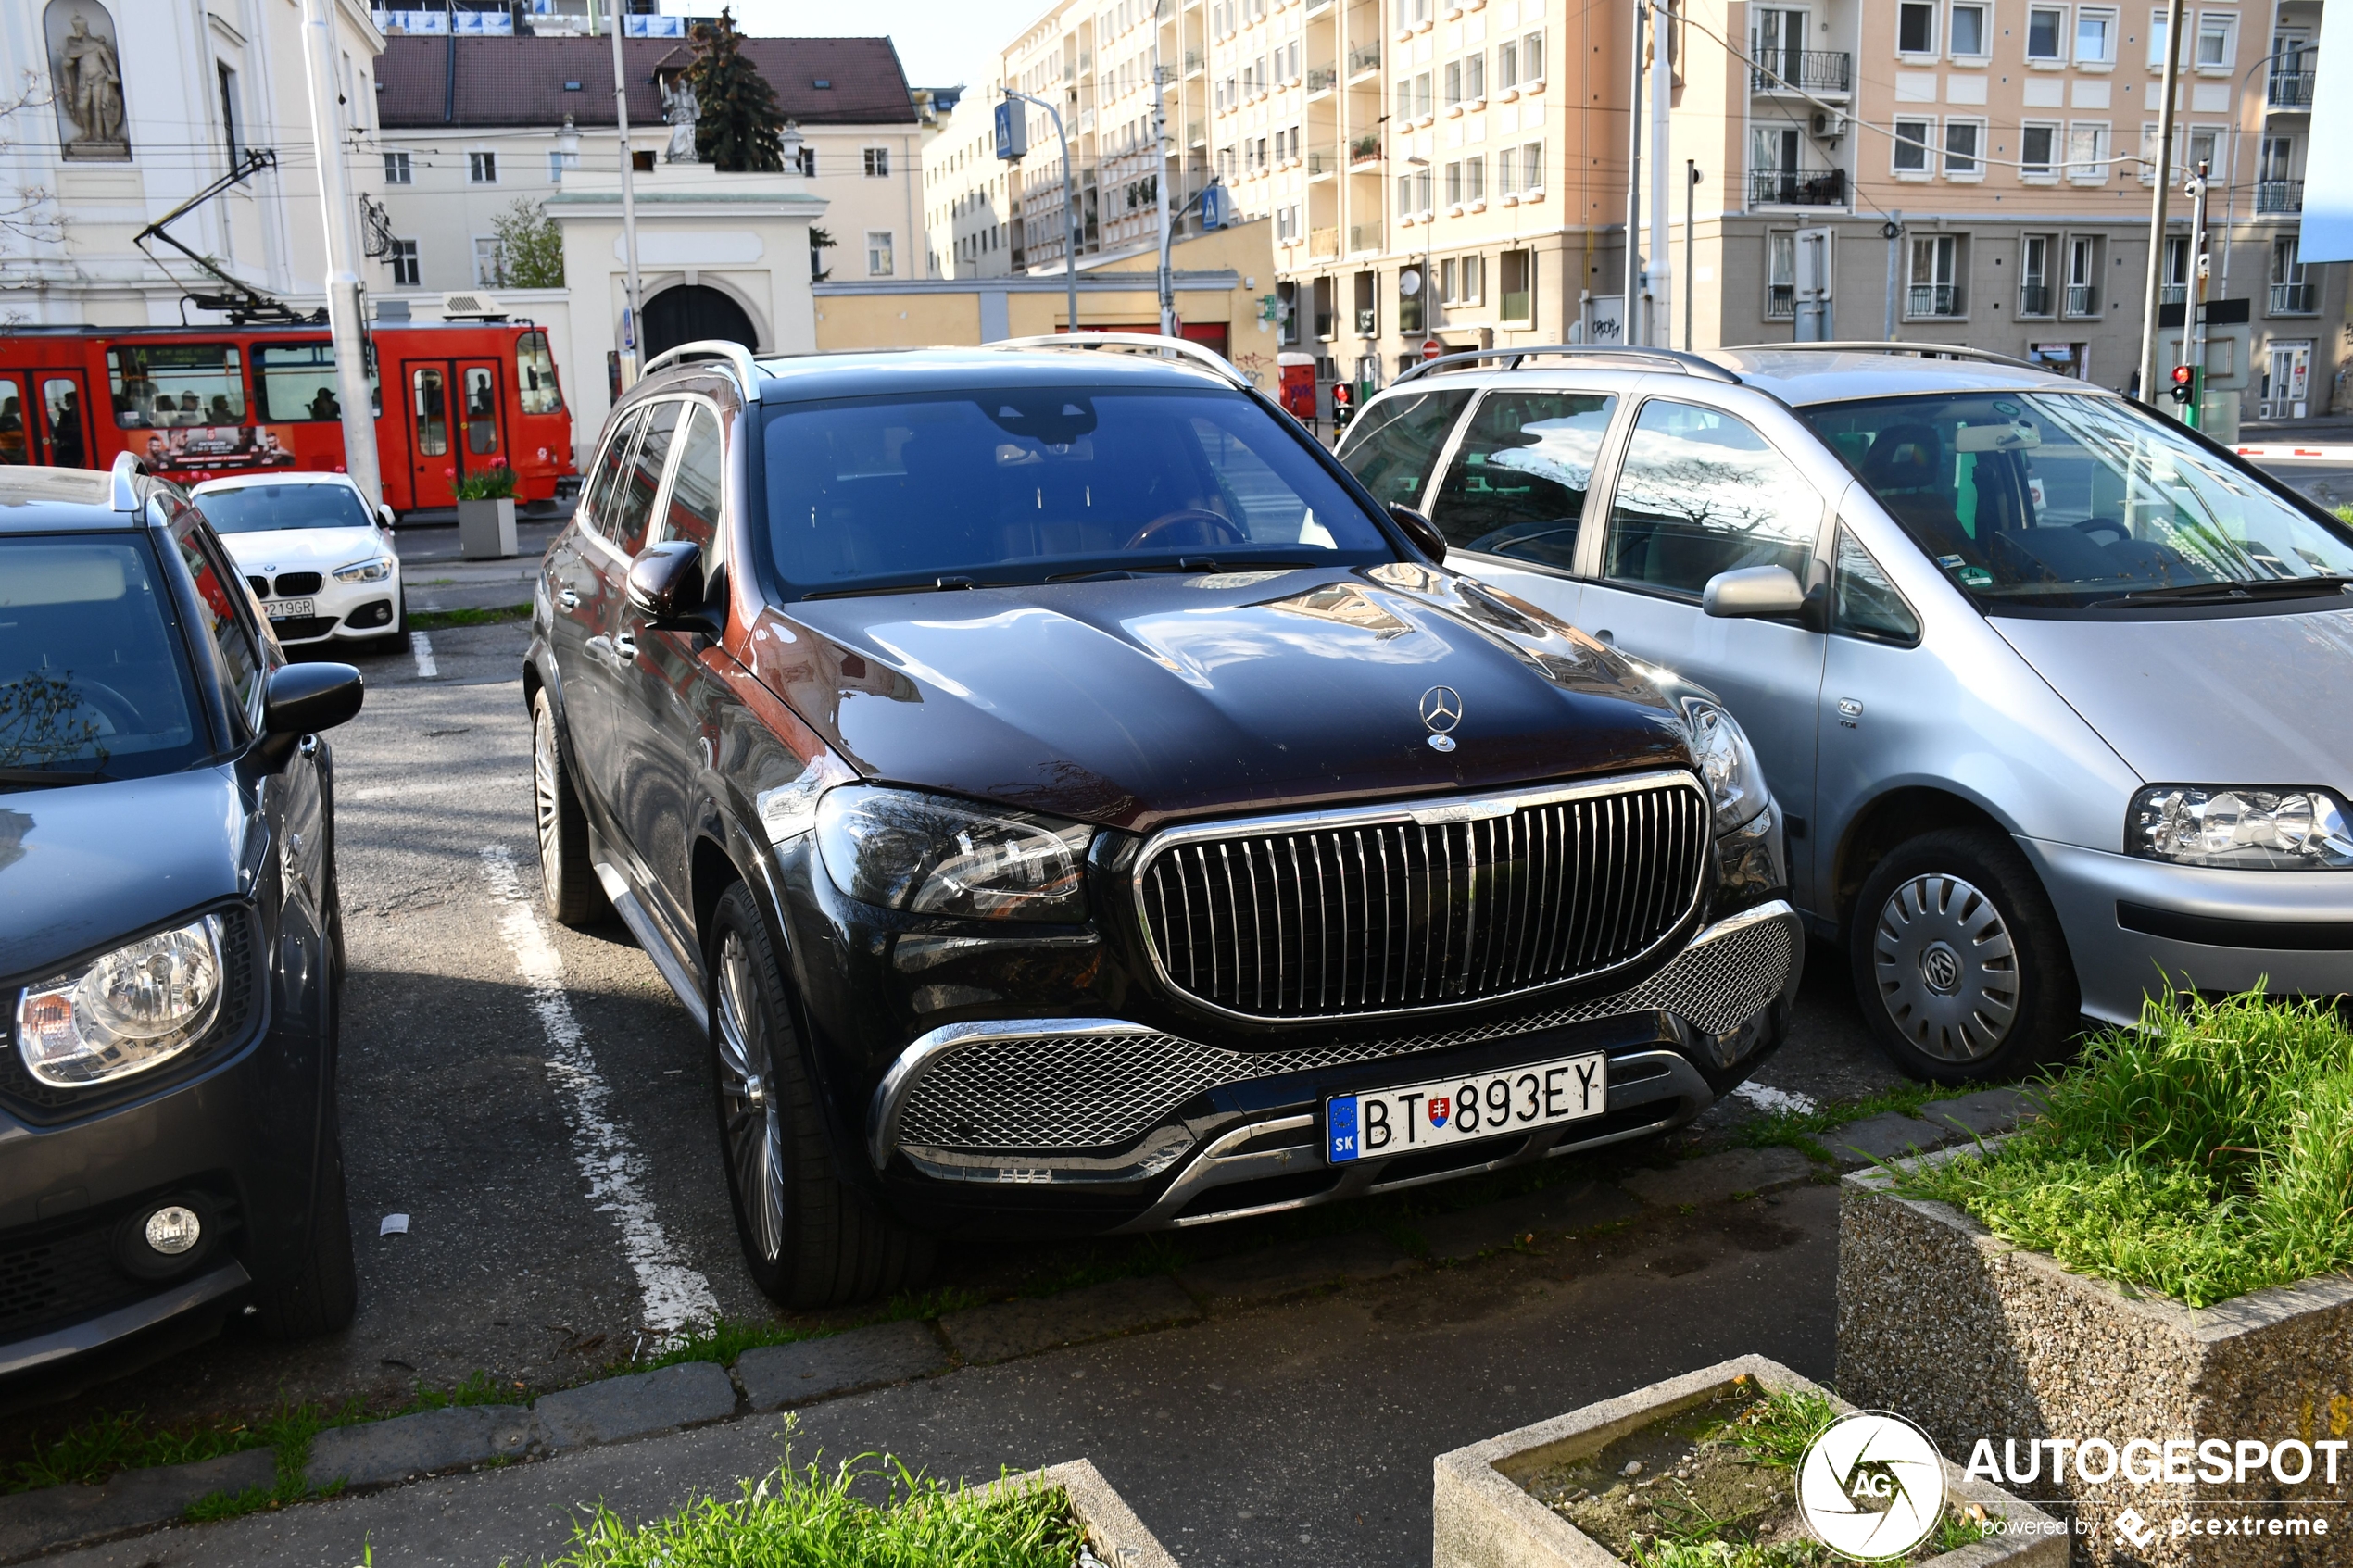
156, 386
536, 375
13, 446
61, 395
432, 415
482, 411
294, 382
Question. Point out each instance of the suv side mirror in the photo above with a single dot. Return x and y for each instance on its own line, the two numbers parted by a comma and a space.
1421, 531
1754, 591
302, 699
666, 586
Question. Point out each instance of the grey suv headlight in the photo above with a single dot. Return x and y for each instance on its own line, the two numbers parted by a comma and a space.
932, 854
138, 1006
1727, 762
2241, 827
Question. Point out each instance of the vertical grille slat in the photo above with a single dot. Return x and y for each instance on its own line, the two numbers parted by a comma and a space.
1358, 918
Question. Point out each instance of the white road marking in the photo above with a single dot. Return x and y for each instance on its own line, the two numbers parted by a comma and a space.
676, 1298
1766, 1099
426, 668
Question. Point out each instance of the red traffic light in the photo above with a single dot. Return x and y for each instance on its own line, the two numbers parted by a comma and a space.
2182, 375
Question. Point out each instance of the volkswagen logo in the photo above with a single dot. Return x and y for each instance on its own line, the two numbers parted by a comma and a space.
1941, 967
1441, 709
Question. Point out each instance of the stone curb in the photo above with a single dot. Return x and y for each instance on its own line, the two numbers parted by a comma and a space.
777, 1377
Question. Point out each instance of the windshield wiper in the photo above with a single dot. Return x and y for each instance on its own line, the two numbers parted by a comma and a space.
2228, 593
54, 776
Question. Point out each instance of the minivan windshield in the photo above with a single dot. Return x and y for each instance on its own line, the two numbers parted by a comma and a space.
1034, 484
93, 678
2069, 501
262, 508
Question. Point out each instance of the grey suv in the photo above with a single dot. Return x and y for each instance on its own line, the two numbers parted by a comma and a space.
2053, 690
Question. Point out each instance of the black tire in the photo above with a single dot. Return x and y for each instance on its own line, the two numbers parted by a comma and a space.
1960, 964
810, 1239
567, 877
319, 1296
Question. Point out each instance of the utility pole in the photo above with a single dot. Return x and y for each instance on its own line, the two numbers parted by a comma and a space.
2157, 204
1628, 326
1894, 230
1160, 184
631, 326
1662, 278
1690, 199
344, 285
1070, 203
2193, 300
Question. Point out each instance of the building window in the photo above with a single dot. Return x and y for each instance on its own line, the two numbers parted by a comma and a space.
1471, 283
2217, 35
1516, 277
2175, 290
2082, 275
1968, 30
1780, 277
1532, 168
1453, 184
2204, 141
397, 171
1916, 27
1475, 180
2046, 34
403, 257
878, 261
809, 163
2095, 37
2034, 275
482, 168
1936, 279
1963, 139
2037, 145
1913, 139
1532, 58
229, 122
2291, 295
486, 261
558, 162
2087, 152
878, 163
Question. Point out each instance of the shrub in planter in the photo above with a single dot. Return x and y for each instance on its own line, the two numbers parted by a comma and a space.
2152, 1276
485, 511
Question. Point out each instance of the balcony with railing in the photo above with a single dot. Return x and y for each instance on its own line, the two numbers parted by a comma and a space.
1193, 62
2294, 299
1321, 78
1797, 188
1322, 161
2083, 299
2279, 196
1195, 135
2173, 294
2288, 90
1363, 237
1323, 242
1362, 58
1932, 299
1364, 150
2034, 299
1801, 71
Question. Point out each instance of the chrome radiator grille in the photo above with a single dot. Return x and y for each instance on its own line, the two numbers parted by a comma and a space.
1391, 911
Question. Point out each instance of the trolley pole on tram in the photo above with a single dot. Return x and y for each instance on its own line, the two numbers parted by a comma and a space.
344, 285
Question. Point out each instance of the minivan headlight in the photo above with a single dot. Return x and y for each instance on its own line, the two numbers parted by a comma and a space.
929, 854
140, 1005
375, 568
1727, 762
2241, 827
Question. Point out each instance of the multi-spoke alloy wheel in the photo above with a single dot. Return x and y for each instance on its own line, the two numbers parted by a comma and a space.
1946, 970
566, 878
749, 1120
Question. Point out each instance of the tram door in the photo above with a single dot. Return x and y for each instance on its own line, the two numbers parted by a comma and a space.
43, 418
457, 424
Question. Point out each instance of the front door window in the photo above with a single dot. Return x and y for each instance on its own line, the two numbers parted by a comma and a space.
482, 410
1395, 445
1516, 486
433, 413
1701, 493
61, 402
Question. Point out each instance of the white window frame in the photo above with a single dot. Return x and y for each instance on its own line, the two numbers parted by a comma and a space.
1925, 147
558, 162
2047, 173
485, 257
1780, 271
2156, 38
2227, 24
1984, 8
2084, 14
1957, 280
2037, 278
876, 162
2089, 247
887, 253
481, 163
1975, 173
1936, 31
404, 251
2093, 170
2065, 33
399, 169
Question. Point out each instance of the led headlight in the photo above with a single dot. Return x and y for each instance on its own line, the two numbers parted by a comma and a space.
141, 1003
2241, 827
375, 568
1727, 762
936, 855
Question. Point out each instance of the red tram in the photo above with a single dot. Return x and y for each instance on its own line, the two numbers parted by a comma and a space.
198, 403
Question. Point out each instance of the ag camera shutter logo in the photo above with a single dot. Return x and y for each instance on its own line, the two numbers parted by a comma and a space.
1871, 1485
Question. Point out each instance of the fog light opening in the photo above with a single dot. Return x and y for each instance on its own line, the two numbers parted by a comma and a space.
173, 1230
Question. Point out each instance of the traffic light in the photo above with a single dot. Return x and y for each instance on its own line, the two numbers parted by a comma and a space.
2184, 382
1344, 405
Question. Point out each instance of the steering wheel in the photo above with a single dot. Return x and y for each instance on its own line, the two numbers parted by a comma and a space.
2092, 525
112, 706
1220, 529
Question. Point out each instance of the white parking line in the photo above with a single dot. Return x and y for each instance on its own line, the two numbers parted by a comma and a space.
1766, 1099
422, 644
675, 1297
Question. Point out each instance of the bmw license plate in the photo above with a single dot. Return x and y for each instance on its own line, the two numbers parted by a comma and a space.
1458, 1110
291, 609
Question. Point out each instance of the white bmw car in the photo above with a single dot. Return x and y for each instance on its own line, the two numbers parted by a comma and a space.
320, 559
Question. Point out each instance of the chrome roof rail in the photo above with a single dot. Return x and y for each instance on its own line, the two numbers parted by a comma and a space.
1182, 348
738, 357
127, 470
1653, 358
1868, 345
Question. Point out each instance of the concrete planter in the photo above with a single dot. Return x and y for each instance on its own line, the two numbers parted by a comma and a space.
1113, 1533
1484, 1518
486, 529
1979, 1341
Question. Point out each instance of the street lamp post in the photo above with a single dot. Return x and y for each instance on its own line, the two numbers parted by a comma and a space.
631, 327
1070, 204
344, 287
1160, 187
1429, 253
2157, 204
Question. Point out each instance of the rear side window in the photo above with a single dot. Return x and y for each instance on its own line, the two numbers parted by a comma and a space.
596, 498
694, 492
1516, 486
1700, 493
634, 501
217, 593
1395, 445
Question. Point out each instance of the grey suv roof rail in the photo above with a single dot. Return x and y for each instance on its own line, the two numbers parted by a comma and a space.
127, 470
738, 357
1183, 348
1663, 358
1868, 345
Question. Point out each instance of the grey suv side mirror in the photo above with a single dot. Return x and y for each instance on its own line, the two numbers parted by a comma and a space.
302, 699
1421, 531
1753, 590
666, 586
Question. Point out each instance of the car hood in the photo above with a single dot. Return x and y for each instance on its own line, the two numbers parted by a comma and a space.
1133, 701
2253, 699
84, 865
322, 550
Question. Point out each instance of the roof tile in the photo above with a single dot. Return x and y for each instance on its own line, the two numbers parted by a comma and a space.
521, 80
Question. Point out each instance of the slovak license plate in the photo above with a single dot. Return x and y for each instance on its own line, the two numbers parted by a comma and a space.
291, 609
1457, 1110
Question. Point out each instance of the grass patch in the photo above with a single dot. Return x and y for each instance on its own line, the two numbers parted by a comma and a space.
441, 619
1801, 1129
808, 1517
2204, 1154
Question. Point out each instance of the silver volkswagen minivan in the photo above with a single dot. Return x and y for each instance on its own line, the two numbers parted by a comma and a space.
2057, 696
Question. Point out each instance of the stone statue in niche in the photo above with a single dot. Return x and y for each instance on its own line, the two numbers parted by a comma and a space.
85, 74
680, 110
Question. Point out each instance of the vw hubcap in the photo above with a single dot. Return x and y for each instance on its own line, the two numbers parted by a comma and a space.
1946, 968
754, 1131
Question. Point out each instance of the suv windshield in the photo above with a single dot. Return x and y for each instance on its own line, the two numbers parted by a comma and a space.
260, 508
1030, 484
2069, 501
93, 681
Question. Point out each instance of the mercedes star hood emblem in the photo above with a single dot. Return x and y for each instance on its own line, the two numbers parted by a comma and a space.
1441, 709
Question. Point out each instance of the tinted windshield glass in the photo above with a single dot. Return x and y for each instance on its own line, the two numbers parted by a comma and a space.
92, 674
2066, 501
1034, 483
256, 508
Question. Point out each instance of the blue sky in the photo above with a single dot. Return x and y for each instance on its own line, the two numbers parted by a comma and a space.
941, 43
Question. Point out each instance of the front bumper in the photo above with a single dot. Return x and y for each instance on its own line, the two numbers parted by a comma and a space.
2136, 926
346, 612
1105, 1125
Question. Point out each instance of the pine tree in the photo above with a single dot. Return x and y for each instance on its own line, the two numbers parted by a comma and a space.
739, 121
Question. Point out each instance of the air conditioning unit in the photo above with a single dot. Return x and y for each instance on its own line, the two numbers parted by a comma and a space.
1829, 124
472, 305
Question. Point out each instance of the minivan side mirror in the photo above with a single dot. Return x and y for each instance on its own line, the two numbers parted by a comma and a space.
1753, 590
666, 586
1421, 531
302, 699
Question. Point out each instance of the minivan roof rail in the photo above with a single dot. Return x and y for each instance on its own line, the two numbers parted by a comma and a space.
1661, 359
1868, 345
1183, 348
735, 354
